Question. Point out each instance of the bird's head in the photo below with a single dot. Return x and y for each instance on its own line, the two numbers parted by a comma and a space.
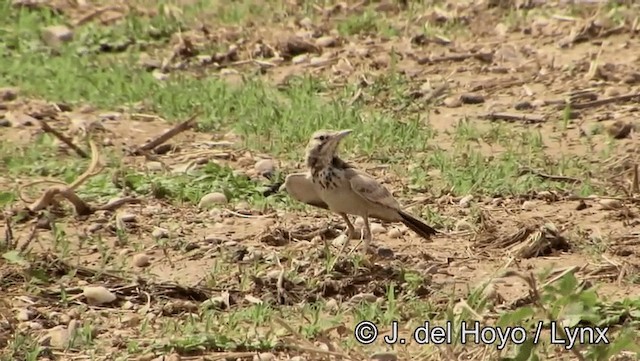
323, 145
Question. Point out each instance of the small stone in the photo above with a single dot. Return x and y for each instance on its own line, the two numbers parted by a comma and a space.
339, 241
160, 75
465, 202
57, 337
299, 59
306, 23
173, 357
326, 41
265, 167
264, 356
612, 92
317, 61
212, 199
56, 35
128, 305
18, 119
367, 297
273, 274
395, 232
452, 102
159, 233
32, 325
154, 166
4, 122
384, 356
8, 94
463, 225
523, 105
385, 252
529, 205
24, 315
377, 228
472, 98
128, 217
610, 204
98, 295
619, 129
331, 304
141, 260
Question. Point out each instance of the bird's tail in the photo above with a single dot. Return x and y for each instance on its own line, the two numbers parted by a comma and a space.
417, 225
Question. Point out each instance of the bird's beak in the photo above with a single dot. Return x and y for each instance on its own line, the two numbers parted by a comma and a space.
343, 133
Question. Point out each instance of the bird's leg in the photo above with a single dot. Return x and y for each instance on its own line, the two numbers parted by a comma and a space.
351, 230
367, 233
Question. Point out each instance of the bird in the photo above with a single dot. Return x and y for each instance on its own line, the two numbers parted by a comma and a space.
332, 184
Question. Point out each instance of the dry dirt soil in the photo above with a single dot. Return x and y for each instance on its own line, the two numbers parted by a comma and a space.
567, 76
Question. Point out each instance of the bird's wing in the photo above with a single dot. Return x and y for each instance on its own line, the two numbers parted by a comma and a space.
368, 188
300, 187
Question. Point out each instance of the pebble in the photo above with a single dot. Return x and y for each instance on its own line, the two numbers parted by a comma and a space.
98, 294
339, 241
331, 304
385, 252
212, 199
610, 204
395, 232
265, 167
529, 205
326, 41
299, 59
452, 102
465, 202
8, 94
463, 225
159, 233
141, 260
471, 98
377, 228
25, 315
384, 356
56, 35
154, 166
264, 356
128, 305
128, 217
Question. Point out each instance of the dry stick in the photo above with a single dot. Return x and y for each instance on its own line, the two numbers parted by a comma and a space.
557, 178
62, 138
454, 57
90, 172
597, 103
635, 188
32, 236
8, 234
526, 118
179, 128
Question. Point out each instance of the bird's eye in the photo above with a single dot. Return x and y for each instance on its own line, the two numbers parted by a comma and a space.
322, 137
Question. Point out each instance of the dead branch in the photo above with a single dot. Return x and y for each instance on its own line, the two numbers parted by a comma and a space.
177, 129
601, 102
47, 198
511, 117
90, 172
486, 57
62, 138
557, 178
115, 204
